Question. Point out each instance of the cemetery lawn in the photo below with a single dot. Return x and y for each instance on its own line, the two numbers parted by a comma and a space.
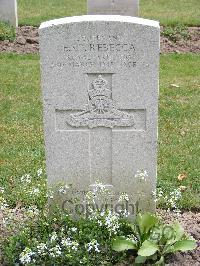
172, 12
21, 133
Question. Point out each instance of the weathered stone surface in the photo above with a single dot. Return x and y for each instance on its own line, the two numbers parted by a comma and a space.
113, 7
100, 91
8, 11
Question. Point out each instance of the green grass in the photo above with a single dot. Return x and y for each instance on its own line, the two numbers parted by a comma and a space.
172, 12
168, 12
21, 133
33, 12
21, 116
179, 125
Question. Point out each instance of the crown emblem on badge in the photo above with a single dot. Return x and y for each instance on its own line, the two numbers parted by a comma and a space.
99, 88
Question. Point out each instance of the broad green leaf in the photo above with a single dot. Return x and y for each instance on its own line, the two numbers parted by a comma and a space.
147, 249
156, 233
121, 244
146, 222
168, 232
184, 245
179, 231
140, 259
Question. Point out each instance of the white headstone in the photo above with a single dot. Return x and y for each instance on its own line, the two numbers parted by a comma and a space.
8, 12
113, 7
100, 90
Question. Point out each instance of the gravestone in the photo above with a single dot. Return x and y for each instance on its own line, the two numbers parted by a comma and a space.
8, 12
100, 92
113, 7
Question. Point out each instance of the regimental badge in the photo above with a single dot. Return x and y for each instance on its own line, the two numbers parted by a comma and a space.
100, 110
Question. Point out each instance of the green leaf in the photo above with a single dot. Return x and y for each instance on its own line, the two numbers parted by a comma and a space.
168, 249
133, 227
140, 259
153, 257
161, 261
179, 231
185, 245
121, 244
146, 222
168, 232
156, 233
147, 249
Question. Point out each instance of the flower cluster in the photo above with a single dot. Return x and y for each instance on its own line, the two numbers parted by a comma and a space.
35, 192
42, 249
93, 246
3, 203
112, 222
70, 244
58, 239
32, 211
26, 179
63, 189
170, 200
174, 197
26, 256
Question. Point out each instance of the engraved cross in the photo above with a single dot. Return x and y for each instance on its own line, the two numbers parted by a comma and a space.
100, 118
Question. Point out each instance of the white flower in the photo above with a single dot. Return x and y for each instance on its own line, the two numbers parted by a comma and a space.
170, 200
50, 194
35, 192
93, 245
123, 197
42, 249
26, 179
102, 213
53, 237
68, 243
90, 197
55, 251
100, 223
112, 222
3, 204
75, 246
73, 229
39, 172
2, 190
33, 211
158, 195
25, 256
98, 187
63, 189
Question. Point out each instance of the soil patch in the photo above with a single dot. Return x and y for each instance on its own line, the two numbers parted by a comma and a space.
191, 223
27, 42
191, 44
